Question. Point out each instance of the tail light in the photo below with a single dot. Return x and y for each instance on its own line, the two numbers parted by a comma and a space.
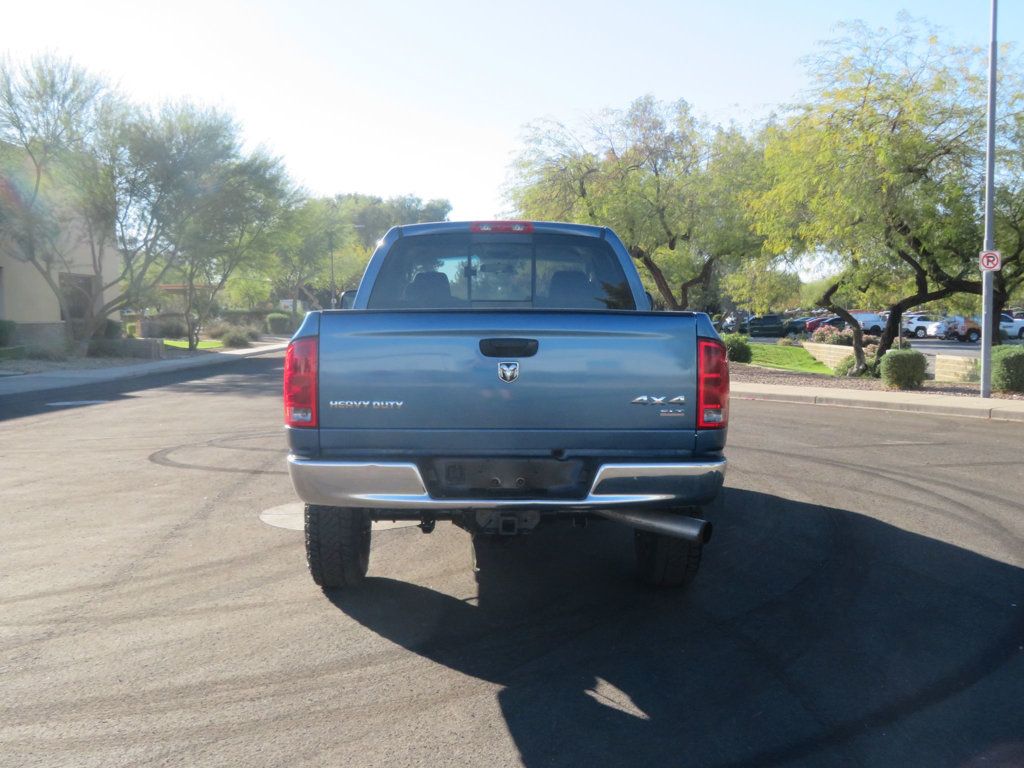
712, 385
502, 227
300, 378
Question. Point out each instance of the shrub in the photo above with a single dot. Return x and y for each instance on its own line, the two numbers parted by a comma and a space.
787, 341
829, 335
1008, 369
844, 366
251, 332
236, 338
737, 348
217, 329
279, 323
170, 329
109, 329
903, 369
131, 330
7, 329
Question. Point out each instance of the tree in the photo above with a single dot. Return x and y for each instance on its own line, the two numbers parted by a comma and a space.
882, 166
222, 209
663, 180
760, 287
49, 116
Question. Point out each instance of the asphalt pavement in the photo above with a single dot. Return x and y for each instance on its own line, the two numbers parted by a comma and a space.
861, 603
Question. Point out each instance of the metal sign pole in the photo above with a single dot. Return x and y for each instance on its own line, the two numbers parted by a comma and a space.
987, 276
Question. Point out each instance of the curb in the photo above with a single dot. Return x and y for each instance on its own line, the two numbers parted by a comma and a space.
989, 411
33, 381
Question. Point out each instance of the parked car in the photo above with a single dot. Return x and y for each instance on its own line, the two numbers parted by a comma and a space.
816, 322
870, 322
957, 328
1014, 326
500, 375
767, 325
796, 325
917, 324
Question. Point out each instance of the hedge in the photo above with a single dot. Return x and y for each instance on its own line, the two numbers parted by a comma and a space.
903, 369
736, 347
1008, 369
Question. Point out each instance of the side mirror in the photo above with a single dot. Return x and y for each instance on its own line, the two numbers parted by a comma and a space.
346, 300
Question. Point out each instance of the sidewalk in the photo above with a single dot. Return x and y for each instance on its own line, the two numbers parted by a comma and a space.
949, 405
36, 382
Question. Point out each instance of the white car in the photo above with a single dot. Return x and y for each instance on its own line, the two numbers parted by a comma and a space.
1014, 327
869, 322
917, 325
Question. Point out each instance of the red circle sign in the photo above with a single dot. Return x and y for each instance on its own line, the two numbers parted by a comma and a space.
990, 261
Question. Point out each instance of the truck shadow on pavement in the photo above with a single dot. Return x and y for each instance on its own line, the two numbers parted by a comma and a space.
812, 636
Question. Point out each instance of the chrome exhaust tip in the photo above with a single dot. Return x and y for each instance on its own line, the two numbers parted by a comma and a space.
679, 526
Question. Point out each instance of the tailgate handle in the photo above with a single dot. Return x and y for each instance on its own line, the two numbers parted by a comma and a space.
509, 347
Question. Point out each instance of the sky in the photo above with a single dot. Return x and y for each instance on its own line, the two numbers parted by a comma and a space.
430, 99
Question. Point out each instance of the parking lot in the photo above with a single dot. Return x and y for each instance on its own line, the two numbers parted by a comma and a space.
861, 603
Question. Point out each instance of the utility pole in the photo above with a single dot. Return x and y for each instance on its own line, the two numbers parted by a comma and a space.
988, 273
334, 289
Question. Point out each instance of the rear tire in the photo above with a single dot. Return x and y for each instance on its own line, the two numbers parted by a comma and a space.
665, 561
337, 545
973, 336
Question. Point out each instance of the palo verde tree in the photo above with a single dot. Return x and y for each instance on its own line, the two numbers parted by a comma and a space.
881, 167
663, 180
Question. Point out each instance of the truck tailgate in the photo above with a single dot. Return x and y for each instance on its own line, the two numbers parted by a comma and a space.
409, 381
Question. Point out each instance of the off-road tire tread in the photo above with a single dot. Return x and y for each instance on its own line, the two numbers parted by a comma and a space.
337, 545
665, 561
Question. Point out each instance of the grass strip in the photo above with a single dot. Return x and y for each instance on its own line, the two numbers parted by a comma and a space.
787, 359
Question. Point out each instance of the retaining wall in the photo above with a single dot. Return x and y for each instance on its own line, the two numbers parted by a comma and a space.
956, 368
829, 354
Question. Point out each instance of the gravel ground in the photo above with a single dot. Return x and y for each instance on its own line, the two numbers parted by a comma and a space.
756, 375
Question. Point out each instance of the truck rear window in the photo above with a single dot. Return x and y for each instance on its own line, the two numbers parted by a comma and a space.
471, 271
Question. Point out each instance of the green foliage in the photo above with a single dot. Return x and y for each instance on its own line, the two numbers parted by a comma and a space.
7, 331
1008, 369
12, 353
761, 288
279, 324
737, 347
236, 338
668, 184
903, 369
847, 364
788, 341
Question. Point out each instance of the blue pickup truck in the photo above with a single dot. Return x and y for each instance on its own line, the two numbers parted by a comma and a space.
500, 375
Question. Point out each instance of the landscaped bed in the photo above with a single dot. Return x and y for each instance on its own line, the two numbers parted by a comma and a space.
752, 374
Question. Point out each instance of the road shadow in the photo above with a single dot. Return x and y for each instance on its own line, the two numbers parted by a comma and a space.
251, 375
813, 636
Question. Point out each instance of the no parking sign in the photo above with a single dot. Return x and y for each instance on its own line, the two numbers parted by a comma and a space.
990, 261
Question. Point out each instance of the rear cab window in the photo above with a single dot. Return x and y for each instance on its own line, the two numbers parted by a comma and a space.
497, 271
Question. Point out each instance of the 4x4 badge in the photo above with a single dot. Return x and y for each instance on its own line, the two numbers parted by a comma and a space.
508, 371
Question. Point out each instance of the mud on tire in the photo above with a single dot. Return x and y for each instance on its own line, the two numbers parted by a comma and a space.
337, 545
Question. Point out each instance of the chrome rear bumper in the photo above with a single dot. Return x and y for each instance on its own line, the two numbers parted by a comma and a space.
400, 486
